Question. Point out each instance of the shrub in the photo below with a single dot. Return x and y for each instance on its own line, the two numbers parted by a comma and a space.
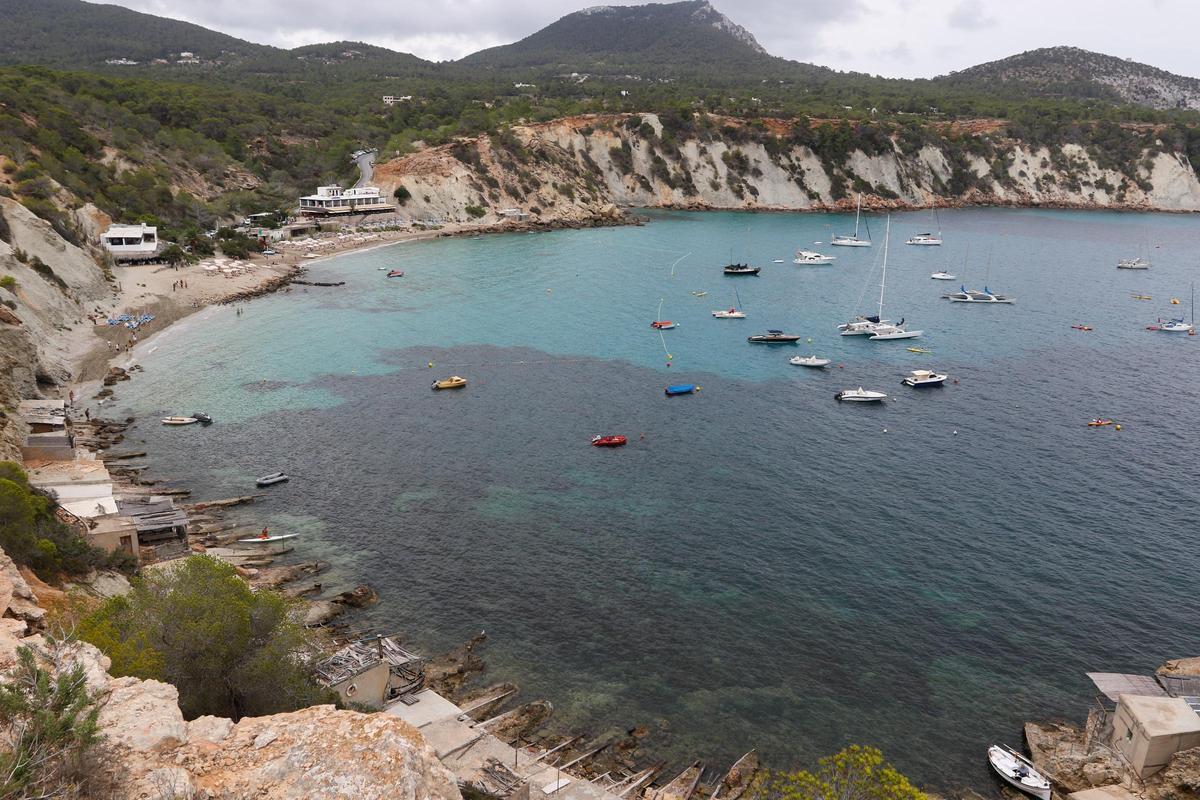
173, 254
43, 269
31, 533
856, 773
231, 651
50, 718
8, 282
5, 231
402, 194
475, 212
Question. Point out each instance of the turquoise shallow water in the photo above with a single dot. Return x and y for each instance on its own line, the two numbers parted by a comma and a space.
765, 567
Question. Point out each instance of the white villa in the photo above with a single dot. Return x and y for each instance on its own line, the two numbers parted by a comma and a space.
334, 200
131, 242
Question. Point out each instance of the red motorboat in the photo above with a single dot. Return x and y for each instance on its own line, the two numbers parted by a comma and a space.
396, 273
608, 441
662, 324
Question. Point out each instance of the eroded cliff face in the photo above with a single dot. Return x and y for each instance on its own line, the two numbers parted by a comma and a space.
577, 168
147, 750
43, 300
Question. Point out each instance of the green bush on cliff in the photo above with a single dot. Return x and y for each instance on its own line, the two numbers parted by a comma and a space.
231, 651
856, 773
51, 719
33, 536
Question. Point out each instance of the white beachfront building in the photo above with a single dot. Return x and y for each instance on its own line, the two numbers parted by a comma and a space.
334, 200
131, 242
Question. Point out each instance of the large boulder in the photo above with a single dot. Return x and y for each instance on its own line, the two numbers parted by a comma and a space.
315, 753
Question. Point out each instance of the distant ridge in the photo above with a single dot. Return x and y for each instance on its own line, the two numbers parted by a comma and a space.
1075, 73
72, 33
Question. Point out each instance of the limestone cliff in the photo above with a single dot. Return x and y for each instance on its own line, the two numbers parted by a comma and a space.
576, 168
51, 285
147, 750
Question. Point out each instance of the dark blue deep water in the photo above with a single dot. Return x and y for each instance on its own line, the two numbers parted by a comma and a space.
765, 567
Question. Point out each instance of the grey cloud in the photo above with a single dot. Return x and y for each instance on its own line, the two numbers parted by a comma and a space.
970, 15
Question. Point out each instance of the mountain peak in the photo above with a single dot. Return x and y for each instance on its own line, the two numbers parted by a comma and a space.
1074, 72
630, 38
707, 14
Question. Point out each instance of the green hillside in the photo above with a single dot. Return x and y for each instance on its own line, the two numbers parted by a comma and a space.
71, 33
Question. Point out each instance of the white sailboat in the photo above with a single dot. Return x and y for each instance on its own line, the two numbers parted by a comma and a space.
886, 331
733, 313
841, 240
1176, 325
928, 239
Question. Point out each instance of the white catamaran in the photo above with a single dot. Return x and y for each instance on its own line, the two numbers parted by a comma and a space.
883, 330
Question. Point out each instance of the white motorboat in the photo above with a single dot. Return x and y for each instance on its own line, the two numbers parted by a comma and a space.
859, 395
964, 295
841, 240
809, 258
943, 276
271, 479
1133, 263
927, 239
810, 361
179, 421
1018, 771
923, 378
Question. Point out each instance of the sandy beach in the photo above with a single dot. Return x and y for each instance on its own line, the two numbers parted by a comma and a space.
169, 294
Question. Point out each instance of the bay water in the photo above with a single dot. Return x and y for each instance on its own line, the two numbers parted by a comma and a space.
761, 566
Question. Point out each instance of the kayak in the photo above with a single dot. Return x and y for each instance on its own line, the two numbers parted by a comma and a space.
608, 441
1082, 327
680, 388
279, 537
396, 273
1097, 423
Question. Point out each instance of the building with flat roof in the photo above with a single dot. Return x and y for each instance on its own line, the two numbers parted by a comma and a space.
131, 242
1148, 730
334, 201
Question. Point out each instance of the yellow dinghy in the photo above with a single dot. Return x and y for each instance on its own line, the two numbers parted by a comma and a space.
453, 382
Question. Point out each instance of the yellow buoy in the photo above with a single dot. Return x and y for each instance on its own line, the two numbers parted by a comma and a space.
431, 365
1118, 427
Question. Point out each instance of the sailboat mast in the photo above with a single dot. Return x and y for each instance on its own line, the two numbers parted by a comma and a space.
883, 281
857, 214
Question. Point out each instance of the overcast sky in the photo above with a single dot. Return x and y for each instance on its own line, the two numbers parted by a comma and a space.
895, 38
